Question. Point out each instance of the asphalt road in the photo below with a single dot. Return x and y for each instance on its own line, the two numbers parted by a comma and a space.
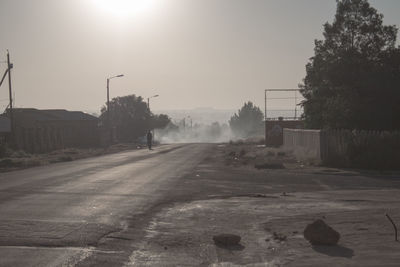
58, 214
162, 207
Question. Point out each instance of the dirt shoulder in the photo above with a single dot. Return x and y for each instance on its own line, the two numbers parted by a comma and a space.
269, 207
16, 160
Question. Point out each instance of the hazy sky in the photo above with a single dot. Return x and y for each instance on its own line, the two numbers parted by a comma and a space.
193, 53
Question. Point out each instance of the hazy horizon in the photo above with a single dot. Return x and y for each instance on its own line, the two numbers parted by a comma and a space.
205, 53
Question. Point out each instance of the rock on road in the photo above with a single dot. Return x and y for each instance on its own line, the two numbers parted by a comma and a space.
56, 215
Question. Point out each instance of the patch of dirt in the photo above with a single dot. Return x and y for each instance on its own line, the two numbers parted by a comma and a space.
271, 231
243, 154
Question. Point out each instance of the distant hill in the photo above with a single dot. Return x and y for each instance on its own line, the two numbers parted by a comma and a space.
210, 115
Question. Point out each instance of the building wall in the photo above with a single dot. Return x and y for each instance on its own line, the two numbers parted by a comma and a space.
45, 136
274, 130
79, 133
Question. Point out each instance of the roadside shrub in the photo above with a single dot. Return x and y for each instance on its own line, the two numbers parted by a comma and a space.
270, 153
32, 163
20, 154
281, 154
65, 158
6, 163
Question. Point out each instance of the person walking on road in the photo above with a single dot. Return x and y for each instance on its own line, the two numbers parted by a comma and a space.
149, 139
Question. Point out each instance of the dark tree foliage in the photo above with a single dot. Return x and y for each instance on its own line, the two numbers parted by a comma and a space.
131, 118
248, 121
353, 80
160, 121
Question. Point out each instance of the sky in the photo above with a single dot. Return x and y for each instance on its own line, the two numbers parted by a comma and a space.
192, 53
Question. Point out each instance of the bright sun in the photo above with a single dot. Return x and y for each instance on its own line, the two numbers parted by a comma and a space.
124, 8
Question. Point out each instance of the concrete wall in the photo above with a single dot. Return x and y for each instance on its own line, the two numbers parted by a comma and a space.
305, 144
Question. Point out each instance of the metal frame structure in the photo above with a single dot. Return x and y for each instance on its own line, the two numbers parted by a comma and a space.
280, 90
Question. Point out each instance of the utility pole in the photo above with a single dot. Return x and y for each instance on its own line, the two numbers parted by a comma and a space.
108, 102
148, 106
295, 105
10, 66
108, 106
148, 101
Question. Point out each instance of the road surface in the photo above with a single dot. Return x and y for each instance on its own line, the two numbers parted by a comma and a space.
56, 215
162, 208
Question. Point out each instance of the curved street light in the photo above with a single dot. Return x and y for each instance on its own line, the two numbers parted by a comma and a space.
108, 96
148, 101
108, 105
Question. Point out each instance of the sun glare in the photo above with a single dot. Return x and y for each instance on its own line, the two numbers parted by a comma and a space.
124, 8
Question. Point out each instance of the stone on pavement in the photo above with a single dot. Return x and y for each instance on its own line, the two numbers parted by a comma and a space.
319, 233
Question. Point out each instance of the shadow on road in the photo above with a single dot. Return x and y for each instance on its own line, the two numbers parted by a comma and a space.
237, 247
335, 251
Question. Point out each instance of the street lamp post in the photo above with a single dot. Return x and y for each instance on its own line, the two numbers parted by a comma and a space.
148, 101
148, 107
108, 105
108, 96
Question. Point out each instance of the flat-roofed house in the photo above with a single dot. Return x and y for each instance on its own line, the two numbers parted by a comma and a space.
39, 131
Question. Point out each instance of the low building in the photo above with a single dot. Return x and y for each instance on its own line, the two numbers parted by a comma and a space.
5, 129
39, 131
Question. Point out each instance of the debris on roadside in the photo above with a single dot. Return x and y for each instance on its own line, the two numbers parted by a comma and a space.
394, 226
319, 233
279, 237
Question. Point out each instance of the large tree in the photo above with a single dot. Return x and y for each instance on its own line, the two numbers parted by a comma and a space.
353, 80
131, 117
248, 121
160, 121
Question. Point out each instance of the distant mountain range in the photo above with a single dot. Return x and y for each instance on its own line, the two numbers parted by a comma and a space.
199, 115
209, 115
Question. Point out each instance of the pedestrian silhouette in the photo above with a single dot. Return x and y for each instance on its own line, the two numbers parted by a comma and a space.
149, 139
